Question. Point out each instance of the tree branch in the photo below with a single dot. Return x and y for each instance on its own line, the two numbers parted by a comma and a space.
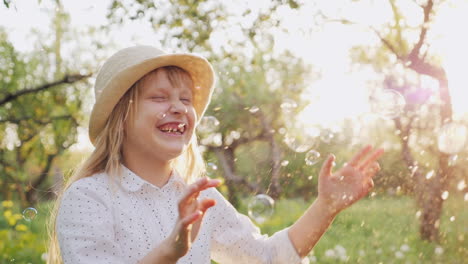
66, 79
229, 174
41, 122
414, 54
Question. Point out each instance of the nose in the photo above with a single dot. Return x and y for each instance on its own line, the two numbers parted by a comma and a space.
177, 107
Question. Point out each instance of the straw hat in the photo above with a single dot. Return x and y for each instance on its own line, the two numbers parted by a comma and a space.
129, 65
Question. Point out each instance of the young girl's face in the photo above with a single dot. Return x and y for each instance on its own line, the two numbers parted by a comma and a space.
164, 122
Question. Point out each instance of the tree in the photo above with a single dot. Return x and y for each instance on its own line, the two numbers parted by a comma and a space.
421, 116
38, 117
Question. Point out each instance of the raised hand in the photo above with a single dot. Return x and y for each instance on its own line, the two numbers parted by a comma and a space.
351, 182
191, 212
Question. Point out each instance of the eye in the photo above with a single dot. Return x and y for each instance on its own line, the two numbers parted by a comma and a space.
186, 100
158, 98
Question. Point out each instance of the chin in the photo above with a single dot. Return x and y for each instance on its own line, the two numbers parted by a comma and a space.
174, 153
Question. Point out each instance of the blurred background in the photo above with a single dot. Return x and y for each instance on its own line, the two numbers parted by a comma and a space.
296, 80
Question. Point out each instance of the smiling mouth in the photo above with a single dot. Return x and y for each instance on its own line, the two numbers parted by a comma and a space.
173, 128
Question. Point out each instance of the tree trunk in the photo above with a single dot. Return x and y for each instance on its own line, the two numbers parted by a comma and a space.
226, 159
274, 189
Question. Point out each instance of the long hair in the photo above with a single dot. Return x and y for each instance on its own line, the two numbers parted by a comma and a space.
107, 155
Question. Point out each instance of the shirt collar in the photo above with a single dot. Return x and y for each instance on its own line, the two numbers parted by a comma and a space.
131, 182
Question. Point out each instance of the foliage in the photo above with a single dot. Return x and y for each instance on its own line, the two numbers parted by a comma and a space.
36, 126
20, 240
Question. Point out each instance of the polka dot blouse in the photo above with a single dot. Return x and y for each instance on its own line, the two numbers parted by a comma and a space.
97, 223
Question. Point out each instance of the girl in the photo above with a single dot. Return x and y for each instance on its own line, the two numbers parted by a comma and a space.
139, 197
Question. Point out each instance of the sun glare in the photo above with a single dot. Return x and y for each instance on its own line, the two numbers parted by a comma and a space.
451, 43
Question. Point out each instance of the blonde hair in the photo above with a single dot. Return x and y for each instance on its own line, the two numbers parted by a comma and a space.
107, 155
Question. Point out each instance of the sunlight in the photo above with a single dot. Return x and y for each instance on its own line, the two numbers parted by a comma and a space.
452, 45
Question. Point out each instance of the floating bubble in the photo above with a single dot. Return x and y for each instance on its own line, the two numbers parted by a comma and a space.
461, 185
29, 214
254, 109
211, 168
260, 208
285, 163
299, 141
208, 124
452, 138
214, 139
418, 214
399, 254
387, 103
327, 136
452, 218
452, 160
439, 250
444, 195
288, 105
404, 248
430, 174
161, 115
312, 157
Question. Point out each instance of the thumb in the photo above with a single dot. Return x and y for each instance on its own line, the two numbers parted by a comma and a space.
327, 166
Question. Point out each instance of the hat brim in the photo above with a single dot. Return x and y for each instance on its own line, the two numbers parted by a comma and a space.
200, 70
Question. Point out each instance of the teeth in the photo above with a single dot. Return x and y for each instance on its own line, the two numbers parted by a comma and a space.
180, 129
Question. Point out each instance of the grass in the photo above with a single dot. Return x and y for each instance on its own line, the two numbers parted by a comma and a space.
382, 230
378, 230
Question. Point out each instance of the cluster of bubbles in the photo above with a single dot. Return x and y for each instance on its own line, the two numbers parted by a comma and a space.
208, 124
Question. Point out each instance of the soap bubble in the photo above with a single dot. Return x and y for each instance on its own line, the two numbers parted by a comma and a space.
208, 124
29, 214
254, 109
327, 136
452, 161
387, 103
288, 105
299, 143
312, 157
444, 195
162, 115
452, 138
211, 168
260, 208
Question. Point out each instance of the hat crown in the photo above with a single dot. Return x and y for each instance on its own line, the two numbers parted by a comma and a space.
122, 60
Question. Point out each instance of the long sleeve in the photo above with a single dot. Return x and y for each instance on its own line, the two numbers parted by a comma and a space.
235, 239
85, 224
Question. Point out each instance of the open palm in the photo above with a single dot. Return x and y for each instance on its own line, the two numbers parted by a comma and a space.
351, 182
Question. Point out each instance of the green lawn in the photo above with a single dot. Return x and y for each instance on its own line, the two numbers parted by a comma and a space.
382, 230
378, 230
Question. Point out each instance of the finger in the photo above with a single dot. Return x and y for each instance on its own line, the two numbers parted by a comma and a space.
194, 189
190, 219
327, 165
372, 170
205, 204
355, 160
371, 159
370, 184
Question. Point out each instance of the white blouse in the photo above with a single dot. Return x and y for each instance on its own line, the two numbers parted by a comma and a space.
100, 224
